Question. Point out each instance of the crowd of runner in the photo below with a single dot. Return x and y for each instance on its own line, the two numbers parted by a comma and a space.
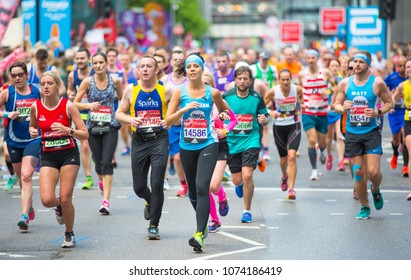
204, 117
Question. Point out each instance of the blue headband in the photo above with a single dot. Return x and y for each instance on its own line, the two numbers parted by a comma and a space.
312, 52
362, 56
194, 58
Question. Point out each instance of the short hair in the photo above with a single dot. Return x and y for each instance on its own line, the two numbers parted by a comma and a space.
42, 54
112, 49
84, 50
160, 56
285, 70
211, 77
242, 69
222, 53
53, 75
100, 54
152, 57
21, 65
366, 53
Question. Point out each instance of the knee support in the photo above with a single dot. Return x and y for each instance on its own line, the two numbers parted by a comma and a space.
354, 171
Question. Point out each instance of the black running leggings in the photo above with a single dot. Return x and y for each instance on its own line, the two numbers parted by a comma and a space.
198, 167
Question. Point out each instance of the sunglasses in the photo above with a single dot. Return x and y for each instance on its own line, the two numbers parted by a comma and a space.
350, 68
20, 75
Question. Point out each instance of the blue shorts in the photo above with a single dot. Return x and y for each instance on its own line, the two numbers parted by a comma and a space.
333, 117
17, 154
320, 123
396, 120
174, 139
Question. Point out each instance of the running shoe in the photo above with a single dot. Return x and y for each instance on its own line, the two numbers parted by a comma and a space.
23, 224
147, 209
105, 207
266, 155
247, 217
364, 213
394, 162
88, 184
322, 158
100, 186
183, 190
205, 233
114, 162
32, 214
197, 242
346, 161
315, 175
355, 195
59, 214
223, 207
284, 184
262, 165
405, 171
171, 169
377, 198
239, 190
227, 175
341, 166
166, 186
69, 240
213, 226
11, 182
153, 233
291, 194
409, 196
126, 151
329, 162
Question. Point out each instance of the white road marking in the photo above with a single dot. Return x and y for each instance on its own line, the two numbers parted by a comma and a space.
173, 197
16, 196
337, 214
16, 255
122, 196
43, 210
282, 214
230, 253
164, 212
242, 227
273, 227
239, 238
330, 200
396, 214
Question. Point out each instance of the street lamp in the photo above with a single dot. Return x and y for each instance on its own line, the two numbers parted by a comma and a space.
173, 8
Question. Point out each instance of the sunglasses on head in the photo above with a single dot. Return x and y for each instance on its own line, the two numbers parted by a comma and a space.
20, 75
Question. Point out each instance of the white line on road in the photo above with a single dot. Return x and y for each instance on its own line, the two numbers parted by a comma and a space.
239, 238
330, 200
122, 196
282, 214
337, 214
273, 227
242, 227
16, 196
230, 253
43, 210
396, 214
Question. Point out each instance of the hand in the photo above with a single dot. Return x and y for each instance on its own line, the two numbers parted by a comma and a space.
95, 106
274, 114
224, 116
13, 115
262, 119
58, 127
163, 124
370, 112
34, 133
220, 133
190, 106
136, 122
347, 105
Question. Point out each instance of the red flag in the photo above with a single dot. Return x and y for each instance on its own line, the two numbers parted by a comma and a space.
7, 10
11, 58
109, 24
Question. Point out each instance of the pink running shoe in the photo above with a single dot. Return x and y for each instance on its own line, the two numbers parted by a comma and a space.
32, 214
105, 207
329, 163
409, 196
341, 166
291, 195
355, 195
100, 185
284, 183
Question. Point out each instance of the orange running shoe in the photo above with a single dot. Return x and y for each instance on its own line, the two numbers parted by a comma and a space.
262, 165
405, 171
394, 161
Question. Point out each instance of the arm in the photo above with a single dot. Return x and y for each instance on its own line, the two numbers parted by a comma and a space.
62, 87
262, 113
118, 87
172, 114
300, 97
80, 132
83, 89
221, 105
233, 121
4, 96
381, 90
124, 106
340, 103
71, 92
33, 129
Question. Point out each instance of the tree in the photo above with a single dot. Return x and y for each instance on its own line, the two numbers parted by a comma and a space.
188, 14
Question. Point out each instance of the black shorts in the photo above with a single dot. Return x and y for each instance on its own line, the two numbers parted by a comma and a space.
361, 144
246, 158
222, 149
407, 128
155, 151
17, 154
287, 137
58, 159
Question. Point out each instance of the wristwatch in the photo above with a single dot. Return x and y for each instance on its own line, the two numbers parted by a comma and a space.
379, 112
71, 132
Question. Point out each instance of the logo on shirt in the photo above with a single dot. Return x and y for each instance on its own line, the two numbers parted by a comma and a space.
148, 103
42, 118
197, 114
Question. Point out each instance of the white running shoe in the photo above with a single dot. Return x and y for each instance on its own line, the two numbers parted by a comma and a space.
166, 185
315, 175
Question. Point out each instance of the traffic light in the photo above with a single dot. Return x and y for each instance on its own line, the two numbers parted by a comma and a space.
387, 9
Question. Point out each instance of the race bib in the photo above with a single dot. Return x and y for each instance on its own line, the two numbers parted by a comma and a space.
316, 102
195, 130
244, 124
24, 107
100, 120
287, 105
150, 118
57, 144
358, 117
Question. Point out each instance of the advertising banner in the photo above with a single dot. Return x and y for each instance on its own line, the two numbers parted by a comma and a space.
365, 30
29, 11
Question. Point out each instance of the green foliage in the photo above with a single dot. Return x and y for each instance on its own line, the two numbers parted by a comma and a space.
188, 14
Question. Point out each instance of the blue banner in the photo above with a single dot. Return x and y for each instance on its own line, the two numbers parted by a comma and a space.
365, 30
29, 11
55, 23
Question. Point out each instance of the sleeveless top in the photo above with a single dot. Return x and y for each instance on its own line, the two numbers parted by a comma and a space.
223, 82
407, 100
197, 129
315, 103
53, 140
267, 76
17, 131
33, 79
76, 82
362, 97
286, 106
151, 106
105, 116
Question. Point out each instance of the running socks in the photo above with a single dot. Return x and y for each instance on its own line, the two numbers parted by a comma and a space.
395, 149
312, 154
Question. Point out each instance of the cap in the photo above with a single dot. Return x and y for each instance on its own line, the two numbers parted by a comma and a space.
265, 55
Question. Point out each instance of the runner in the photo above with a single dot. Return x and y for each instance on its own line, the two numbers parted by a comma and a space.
60, 159
102, 90
360, 95
404, 91
198, 140
83, 70
23, 151
215, 186
287, 127
147, 103
244, 141
314, 111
